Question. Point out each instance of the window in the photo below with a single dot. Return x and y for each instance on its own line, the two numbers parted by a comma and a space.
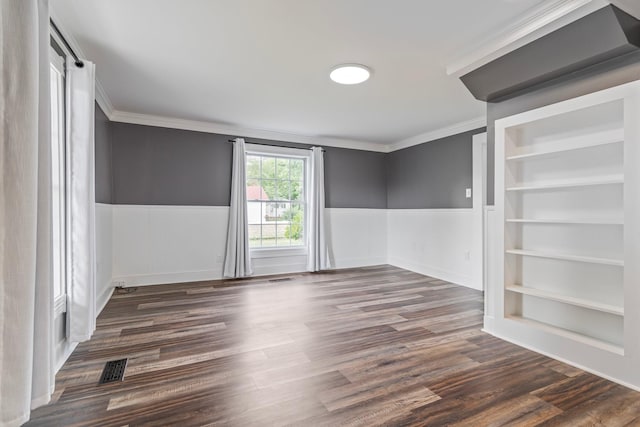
58, 181
276, 197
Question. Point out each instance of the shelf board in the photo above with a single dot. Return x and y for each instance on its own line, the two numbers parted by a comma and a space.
566, 221
613, 138
565, 184
577, 258
594, 342
579, 302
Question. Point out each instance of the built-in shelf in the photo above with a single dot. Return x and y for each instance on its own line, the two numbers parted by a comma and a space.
613, 138
570, 184
567, 178
594, 342
576, 258
579, 302
566, 221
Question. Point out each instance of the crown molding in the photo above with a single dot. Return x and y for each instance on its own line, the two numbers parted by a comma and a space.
455, 129
103, 100
212, 127
537, 22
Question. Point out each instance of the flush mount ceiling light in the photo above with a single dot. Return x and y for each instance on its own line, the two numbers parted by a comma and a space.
350, 74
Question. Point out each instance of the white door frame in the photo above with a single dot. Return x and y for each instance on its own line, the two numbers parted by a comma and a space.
479, 175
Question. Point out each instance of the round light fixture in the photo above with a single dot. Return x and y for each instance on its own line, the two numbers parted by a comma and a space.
350, 74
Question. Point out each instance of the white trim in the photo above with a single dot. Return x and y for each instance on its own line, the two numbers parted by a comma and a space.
479, 143
454, 129
277, 252
70, 348
442, 210
167, 278
212, 127
538, 22
103, 100
353, 262
271, 269
129, 206
103, 299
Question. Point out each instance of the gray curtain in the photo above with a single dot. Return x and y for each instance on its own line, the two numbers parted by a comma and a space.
26, 301
237, 262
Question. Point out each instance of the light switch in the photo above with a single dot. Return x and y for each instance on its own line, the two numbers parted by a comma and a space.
468, 193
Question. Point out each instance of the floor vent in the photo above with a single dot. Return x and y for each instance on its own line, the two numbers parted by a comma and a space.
113, 371
282, 279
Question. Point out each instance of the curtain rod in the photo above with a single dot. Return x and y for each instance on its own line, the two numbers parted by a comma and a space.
79, 62
272, 145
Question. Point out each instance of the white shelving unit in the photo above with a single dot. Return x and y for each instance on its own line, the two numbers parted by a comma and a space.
568, 240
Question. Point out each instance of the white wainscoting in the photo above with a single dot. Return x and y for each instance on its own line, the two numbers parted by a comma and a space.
167, 244
434, 242
357, 237
171, 244
104, 254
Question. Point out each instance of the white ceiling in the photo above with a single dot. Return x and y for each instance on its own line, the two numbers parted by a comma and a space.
264, 64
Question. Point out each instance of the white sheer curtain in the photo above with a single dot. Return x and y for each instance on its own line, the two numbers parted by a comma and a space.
26, 300
318, 248
80, 99
237, 262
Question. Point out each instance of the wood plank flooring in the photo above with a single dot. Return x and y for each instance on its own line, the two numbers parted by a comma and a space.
358, 347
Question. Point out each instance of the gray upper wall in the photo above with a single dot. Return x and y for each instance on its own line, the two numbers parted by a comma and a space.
355, 179
612, 73
161, 166
104, 178
433, 175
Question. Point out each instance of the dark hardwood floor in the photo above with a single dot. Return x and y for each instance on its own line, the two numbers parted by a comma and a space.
358, 347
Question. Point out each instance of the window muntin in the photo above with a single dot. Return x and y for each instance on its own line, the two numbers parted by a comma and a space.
276, 202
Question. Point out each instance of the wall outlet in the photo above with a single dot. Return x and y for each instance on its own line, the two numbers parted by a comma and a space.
219, 259
467, 255
119, 283
468, 193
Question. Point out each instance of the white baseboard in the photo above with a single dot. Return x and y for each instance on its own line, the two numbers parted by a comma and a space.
103, 299
358, 262
167, 278
69, 349
427, 270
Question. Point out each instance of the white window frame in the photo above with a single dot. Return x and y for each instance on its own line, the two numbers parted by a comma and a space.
297, 153
59, 219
